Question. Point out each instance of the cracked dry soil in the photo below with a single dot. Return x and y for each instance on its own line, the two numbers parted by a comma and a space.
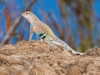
36, 58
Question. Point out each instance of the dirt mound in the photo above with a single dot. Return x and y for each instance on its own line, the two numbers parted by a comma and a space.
37, 58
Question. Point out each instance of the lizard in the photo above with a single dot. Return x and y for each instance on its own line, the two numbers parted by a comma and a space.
45, 33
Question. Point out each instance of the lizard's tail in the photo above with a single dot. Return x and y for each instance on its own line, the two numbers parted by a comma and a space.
68, 47
71, 50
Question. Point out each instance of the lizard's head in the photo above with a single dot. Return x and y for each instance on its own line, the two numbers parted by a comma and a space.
30, 17
27, 15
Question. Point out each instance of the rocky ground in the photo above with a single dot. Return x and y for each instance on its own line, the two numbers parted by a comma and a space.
36, 58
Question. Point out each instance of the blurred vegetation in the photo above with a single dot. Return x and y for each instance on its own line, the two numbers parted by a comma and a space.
81, 14
84, 20
77, 25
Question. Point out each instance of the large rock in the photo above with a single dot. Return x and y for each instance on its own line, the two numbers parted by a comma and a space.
37, 58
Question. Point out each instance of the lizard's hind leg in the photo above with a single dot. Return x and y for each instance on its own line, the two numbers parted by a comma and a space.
51, 45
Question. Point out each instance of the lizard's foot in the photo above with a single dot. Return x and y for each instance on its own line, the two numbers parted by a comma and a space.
29, 39
52, 46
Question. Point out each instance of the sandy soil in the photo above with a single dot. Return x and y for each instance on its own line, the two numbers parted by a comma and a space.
37, 58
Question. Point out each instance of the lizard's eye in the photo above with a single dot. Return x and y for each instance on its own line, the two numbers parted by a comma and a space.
27, 12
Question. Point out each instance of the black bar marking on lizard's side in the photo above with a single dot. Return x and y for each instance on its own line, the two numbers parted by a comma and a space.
42, 35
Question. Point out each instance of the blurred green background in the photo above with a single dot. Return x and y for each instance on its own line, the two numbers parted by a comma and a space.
77, 22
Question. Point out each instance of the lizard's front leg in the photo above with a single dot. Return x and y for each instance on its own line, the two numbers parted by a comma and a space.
31, 32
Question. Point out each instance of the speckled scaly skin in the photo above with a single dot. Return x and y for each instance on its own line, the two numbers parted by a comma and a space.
45, 32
